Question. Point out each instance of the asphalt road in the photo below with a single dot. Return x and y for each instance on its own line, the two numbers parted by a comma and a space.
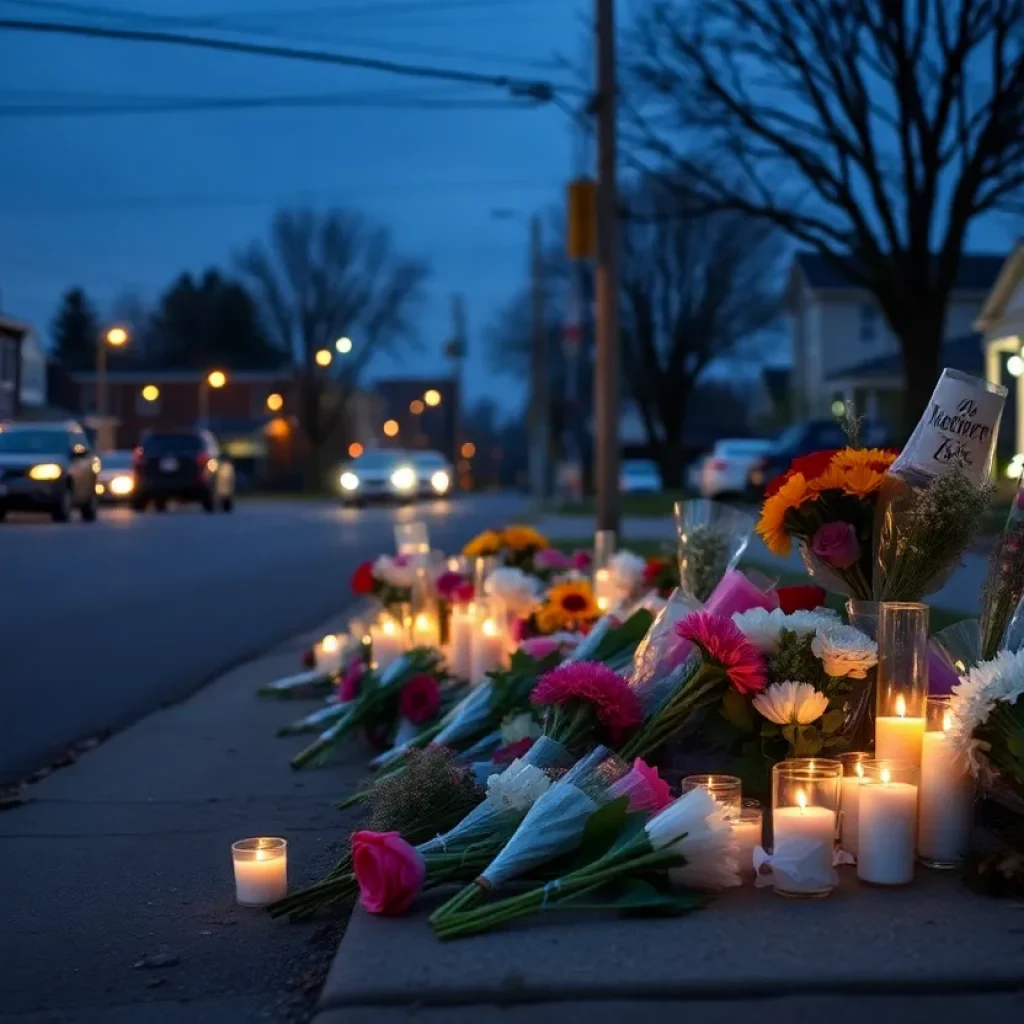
101, 623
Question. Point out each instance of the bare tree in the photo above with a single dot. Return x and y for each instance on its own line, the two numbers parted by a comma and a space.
322, 277
692, 289
873, 131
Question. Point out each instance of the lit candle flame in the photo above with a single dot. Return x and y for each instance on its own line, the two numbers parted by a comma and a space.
886, 777
602, 603
367, 639
947, 720
329, 644
901, 706
489, 627
859, 769
388, 627
422, 621
801, 799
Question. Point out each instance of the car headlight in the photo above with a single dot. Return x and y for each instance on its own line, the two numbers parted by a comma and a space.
122, 485
46, 471
404, 478
349, 481
440, 482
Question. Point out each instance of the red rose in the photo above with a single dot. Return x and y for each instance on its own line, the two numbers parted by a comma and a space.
389, 871
508, 753
362, 579
814, 464
420, 699
653, 570
804, 598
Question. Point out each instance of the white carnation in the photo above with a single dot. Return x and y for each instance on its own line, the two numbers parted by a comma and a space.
517, 787
393, 573
791, 703
519, 591
844, 651
1001, 679
519, 727
627, 571
764, 628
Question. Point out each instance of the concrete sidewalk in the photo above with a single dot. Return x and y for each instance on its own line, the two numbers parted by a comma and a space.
124, 859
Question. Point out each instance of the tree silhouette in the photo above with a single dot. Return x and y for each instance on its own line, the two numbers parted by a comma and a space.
875, 132
74, 331
322, 276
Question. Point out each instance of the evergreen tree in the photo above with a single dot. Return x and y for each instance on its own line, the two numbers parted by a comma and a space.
74, 331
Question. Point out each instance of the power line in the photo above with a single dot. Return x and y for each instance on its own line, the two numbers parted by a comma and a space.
539, 90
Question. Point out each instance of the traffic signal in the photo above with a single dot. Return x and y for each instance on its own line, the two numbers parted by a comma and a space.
581, 229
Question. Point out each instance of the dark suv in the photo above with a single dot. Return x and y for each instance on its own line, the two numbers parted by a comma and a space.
182, 466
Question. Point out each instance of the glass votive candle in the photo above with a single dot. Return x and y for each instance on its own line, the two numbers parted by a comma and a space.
887, 829
902, 686
604, 589
946, 807
261, 870
412, 539
748, 831
327, 653
805, 813
726, 789
849, 802
482, 568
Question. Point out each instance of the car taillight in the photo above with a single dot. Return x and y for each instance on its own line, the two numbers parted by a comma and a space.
718, 464
138, 457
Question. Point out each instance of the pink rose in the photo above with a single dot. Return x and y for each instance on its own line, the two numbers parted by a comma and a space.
448, 585
539, 647
519, 630
464, 593
580, 560
646, 789
389, 871
836, 545
420, 698
351, 682
551, 558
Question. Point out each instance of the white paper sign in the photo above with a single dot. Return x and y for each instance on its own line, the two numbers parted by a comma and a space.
958, 428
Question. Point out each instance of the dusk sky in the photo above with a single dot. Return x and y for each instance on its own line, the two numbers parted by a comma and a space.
123, 203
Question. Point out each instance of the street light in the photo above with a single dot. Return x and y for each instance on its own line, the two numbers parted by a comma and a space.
432, 397
114, 337
344, 345
275, 402
1015, 366
391, 428
323, 357
150, 392
415, 407
468, 450
355, 449
215, 379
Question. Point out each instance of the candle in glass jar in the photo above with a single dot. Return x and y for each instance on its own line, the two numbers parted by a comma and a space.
747, 831
604, 589
261, 870
888, 824
849, 807
726, 789
460, 641
327, 654
389, 643
806, 833
898, 737
424, 630
488, 650
946, 810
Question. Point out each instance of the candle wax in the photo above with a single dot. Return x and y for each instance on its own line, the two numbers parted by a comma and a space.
488, 651
388, 645
815, 825
460, 643
946, 811
887, 833
746, 834
899, 739
262, 880
850, 808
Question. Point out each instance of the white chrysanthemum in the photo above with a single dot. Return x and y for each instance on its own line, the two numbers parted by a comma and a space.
519, 727
791, 703
386, 569
764, 628
707, 843
844, 651
517, 787
972, 701
519, 591
627, 571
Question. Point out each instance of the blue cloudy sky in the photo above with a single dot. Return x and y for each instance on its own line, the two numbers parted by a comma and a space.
123, 203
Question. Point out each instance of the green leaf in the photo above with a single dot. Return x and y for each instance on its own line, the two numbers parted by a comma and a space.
635, 896
736, 711
831, 721
808, 742
769, 730
602, 828
629, 634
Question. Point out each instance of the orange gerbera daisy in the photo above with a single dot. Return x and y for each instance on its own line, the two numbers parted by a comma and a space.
878, 459
486, 543
863, 480
833, 479
771, 526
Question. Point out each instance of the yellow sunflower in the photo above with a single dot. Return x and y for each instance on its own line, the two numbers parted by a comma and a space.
567, 605
771, 526
520, 538
483, 544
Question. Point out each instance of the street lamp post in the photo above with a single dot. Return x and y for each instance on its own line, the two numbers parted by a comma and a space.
115, 337
215, 379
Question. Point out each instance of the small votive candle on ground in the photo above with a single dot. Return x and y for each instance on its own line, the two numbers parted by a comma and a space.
902, 681
413, 539
946, 807
488, 650
805, 809
849, 803
389, 642
888, 823
261, 870
327, 654
726, 789
747, 831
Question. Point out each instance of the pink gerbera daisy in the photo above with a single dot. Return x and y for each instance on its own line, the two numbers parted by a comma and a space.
582, 691
722, 643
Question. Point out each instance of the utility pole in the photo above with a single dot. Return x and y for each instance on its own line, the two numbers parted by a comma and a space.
457, 354
606, 370
540, 404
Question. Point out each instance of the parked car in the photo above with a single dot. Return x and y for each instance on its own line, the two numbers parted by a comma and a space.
116, 479
639, 476
182, 466
378, 474
434, 472
811, 436
47, 467
726, 471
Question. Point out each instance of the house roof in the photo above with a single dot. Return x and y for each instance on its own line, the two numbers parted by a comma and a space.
977, 272
961, 353
1006, 283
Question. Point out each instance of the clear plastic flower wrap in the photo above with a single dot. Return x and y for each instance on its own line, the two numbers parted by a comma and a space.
712, 537
659, 662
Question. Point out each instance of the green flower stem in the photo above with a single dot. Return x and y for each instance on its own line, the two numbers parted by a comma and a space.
661, 726
465, 899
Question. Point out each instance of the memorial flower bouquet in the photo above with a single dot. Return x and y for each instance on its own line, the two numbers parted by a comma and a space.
712, 538
1001, 612
570, 606
826, 502
663, 858
388, 578
514, 545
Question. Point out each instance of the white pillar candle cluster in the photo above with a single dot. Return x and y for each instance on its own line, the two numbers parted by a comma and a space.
424, 630
888, 823
389, 641
327, 654
261, 870
488, 649
946, 807
460, 640
853, 779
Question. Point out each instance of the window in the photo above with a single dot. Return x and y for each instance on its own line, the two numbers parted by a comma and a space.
868, 323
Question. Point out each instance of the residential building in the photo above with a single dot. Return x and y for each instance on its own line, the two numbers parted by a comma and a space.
12, 337
839, 336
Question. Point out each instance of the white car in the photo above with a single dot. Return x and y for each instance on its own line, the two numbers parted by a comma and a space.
726, 471
639, 476
387, 474
435, 473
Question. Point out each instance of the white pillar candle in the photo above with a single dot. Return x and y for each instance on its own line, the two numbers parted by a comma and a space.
887, 831
389, 642
898, 737
947, 803
850, 806
424, 630
488, 650
460, 641
327, 654
261, 870
807, 834
604, 589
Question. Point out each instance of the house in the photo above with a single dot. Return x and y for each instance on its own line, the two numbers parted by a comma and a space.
12, 336
840, 340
